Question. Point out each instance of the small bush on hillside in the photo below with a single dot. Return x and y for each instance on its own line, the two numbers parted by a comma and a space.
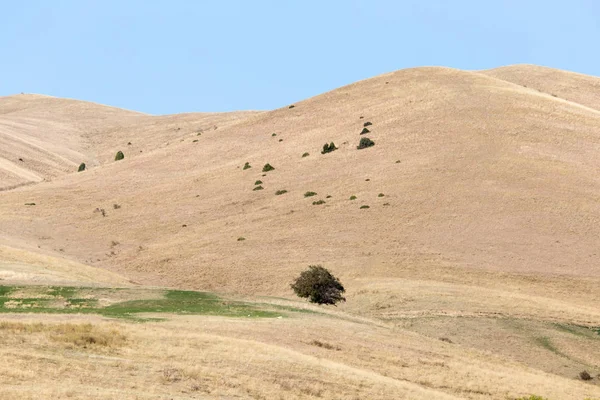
319, 286
241, 239
273, 134
364, 143
398, 161
259, 182
318, 202
368, 123
116, 206
328, 148
364, 207
585, 376
280, 192
305, 155
352, 197
258, 188
328, 196
81, 167
309, 194
268, 167
30, 204
119, 155
365, 130
281, 140
380, 195
247, 165
292, 106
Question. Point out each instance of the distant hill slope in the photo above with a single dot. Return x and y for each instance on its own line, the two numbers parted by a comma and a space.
43, 137
571, 86
475, 171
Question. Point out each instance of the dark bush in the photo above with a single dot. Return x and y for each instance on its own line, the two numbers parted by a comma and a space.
258, 188
318, 202
119, 155
305, 155
365, 130
309, 194
273, 134
352, 197
259, 182
328, 148
364, 207
268, 167
380, 195
364, 143
247, 165
241, 239
319, 286
585, 376
292, 106
280, 192
368, 123
81, 167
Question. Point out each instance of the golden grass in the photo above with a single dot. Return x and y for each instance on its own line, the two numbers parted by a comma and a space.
85, 335
489, 240
187, 357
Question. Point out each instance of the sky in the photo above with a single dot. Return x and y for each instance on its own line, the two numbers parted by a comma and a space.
170, 56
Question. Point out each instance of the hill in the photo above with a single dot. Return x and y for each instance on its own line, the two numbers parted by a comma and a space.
483, 192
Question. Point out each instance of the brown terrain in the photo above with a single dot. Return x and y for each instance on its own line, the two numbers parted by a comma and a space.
483, 229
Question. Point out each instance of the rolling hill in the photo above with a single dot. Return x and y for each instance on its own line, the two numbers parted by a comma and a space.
483, 195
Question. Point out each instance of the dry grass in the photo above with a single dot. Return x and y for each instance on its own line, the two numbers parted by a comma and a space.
83, 335
490, 239
270, 359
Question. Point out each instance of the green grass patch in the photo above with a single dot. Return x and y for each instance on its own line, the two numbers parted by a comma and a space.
64, 300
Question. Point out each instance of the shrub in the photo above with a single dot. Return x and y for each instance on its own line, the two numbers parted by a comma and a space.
364, 143
119, 155
116, 206
352, 197
241, 239
318, 202
81, 167
305, 155
273, 134
364, 207
30, 204
280, 192
258, 188
328, 196
281, 140
309, 194
328, 148
259, 182
292, 106
585, 376
247, 165
365, 130
268, 167
386, 204
380, 195
368, 123
398, 161
319, 286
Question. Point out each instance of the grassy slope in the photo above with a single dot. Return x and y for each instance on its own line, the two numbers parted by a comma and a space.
489, 238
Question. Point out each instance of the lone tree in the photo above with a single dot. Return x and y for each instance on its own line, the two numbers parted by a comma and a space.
119, 155
81, 167
319, 286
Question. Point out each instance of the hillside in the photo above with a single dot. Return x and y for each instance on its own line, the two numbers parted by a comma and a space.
483, 191
43, 137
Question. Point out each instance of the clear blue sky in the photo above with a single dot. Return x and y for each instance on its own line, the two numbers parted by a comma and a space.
173, 56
